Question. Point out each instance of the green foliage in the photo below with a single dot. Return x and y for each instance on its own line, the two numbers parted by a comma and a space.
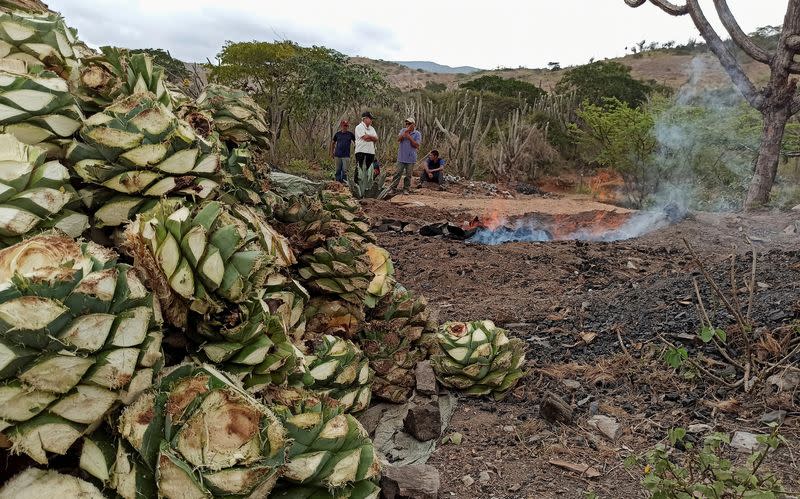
603, 80
675, 357
368, 185
285, 77
618, 136
704, 471
435, 87
174, 69
506, 87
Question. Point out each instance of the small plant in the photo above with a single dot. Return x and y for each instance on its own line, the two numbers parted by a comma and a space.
368, 185
751, 357
704, 471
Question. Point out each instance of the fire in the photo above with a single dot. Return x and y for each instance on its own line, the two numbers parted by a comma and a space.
593, 223
604, 185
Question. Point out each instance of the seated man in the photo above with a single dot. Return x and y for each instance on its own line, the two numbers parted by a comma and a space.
434, 170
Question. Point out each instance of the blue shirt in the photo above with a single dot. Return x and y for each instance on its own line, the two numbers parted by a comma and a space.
406, 153
432, 165
342, 140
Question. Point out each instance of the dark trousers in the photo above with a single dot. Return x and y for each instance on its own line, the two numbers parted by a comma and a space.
362, 159
437, 177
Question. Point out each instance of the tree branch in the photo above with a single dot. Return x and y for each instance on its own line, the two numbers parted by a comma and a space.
665, 5
726, 58
738, 35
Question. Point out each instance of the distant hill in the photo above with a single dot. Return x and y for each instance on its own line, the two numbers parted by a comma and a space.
432, 67
668, 67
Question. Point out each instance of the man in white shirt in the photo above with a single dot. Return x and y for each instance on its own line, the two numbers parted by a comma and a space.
366, 136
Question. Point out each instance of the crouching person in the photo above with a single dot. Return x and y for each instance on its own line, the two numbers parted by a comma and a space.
434, 170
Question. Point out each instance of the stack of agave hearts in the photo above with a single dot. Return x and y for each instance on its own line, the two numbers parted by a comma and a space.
175, 319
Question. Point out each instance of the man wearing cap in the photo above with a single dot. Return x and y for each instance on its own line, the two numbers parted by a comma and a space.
366, 136
409, 139
340, 150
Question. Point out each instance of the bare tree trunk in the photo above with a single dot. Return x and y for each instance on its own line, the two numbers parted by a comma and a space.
768, 155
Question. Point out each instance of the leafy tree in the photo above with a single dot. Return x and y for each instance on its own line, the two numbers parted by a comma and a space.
777, 101
291, 80
621, 137
174, 69
506, 87
604, 80
435, 87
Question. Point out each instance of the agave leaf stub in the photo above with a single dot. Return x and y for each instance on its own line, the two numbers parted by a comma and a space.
205, 436
79, 334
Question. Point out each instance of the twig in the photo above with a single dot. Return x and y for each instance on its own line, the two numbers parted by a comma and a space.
708, 321
752, 289
621, 343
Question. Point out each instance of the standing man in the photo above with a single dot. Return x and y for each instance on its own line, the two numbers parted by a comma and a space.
340, 150
366, 136
409, 139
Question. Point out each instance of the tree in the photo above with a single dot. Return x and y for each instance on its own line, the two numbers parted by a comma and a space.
174, 69
290, 80
601, 80
507, 87
621, 137
776, 102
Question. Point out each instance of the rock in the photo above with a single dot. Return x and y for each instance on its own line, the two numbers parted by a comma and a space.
698, 428
630, 265
411, 228
785, 381
426, 378
790, 229
370, 418
484, 477
606, 425
514, 487
745, 442
423, 422
796, 208
554, 409
571, 384
414, 481
594, 407
467, 480
773, 417
452, 252
508, 429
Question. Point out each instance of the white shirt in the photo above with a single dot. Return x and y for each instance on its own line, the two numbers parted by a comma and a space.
361, 144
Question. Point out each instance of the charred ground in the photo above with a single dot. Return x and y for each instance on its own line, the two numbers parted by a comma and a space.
627, 293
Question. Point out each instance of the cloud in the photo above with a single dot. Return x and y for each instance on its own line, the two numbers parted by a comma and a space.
510, 33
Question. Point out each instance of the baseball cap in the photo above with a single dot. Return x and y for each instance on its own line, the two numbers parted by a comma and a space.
410, 120
367, 114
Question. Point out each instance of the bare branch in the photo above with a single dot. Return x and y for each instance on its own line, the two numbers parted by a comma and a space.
738, 35
665, 5
726, 58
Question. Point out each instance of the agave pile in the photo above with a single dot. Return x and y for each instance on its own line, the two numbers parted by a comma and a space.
175, 320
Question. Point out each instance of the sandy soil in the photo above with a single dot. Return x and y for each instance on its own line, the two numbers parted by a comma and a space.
625, 293
520, 205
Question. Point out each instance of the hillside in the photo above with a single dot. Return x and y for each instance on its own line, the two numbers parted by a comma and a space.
433, 67
665, 67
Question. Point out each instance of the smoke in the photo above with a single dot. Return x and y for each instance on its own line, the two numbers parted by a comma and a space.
704, 153
705, 141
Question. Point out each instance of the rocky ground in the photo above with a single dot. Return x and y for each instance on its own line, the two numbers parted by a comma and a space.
595, 317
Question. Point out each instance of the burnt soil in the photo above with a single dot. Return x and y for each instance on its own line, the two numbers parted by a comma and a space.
596, 315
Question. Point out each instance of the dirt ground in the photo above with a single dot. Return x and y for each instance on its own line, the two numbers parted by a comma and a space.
626, 295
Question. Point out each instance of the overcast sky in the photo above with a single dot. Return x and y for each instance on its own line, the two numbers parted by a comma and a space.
486, 34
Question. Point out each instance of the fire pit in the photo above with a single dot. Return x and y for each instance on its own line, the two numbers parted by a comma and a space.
588, 226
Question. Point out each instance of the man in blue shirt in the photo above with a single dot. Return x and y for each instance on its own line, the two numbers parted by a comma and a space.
409, 139
433, 171
340, 150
